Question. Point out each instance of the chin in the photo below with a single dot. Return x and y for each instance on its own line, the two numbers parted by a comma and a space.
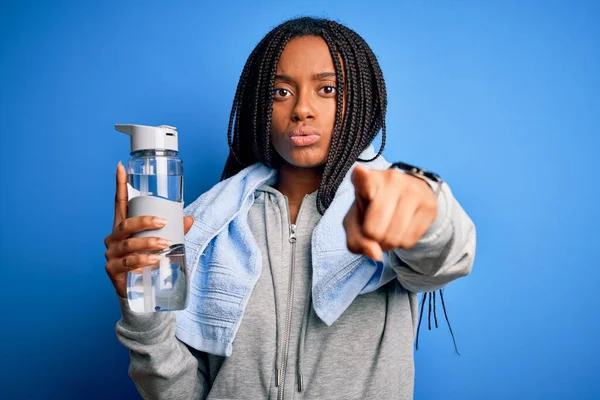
306, 157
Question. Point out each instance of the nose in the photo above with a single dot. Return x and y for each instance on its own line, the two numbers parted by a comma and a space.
303, 109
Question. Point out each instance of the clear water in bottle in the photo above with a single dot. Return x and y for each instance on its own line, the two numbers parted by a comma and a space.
168, 281
161, 287
166, 186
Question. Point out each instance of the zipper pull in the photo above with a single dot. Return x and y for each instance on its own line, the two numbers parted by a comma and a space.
292, 233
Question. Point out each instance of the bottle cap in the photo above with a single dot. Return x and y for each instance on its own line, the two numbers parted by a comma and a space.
162, 137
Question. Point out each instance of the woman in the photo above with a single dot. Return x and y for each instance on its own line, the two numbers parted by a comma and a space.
308, 255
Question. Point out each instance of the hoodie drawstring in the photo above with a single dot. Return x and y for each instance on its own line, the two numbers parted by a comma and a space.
302, 341
431, 296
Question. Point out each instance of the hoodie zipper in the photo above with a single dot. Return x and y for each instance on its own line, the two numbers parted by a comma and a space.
281, 371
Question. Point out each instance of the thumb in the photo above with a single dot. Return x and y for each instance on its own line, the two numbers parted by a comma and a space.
357, 242
187, 224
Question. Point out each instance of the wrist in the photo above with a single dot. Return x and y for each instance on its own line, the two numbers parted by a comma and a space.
433, 180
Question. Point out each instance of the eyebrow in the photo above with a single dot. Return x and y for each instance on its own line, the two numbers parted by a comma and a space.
317, 77
324, 75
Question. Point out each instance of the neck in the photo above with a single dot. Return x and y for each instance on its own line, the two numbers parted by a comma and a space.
295, 183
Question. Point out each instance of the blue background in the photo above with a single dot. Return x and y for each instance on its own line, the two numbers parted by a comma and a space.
500, 97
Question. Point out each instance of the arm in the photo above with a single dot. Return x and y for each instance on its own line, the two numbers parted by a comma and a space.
161, 366
446, 251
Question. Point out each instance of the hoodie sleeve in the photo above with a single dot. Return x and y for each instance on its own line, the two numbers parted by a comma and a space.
161, 366
446, 252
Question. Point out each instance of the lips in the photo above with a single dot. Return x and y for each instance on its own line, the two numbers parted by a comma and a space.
304, 136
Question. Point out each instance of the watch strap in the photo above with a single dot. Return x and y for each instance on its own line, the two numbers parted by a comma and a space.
434, 180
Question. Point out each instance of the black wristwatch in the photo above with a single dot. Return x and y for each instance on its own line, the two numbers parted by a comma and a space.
433, 179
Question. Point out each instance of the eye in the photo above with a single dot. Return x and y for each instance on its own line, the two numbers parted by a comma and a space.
281, 93
329, 90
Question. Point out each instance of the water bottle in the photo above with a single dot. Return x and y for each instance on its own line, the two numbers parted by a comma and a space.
155, 187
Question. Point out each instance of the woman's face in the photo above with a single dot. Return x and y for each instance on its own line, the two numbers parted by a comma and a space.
304, 102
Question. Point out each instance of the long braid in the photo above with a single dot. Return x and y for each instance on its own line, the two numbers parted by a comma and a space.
233, 161
381, 96
240, 113
326, 190
354, 82
261, 93
369, 69
356, 135
343, 158
265, 93
234, 114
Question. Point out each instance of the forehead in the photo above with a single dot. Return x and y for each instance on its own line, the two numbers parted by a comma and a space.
305, 55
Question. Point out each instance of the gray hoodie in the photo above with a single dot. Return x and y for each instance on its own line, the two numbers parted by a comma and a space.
282, 349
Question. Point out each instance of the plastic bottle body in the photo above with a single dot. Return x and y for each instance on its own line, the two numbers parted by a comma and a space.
155, 187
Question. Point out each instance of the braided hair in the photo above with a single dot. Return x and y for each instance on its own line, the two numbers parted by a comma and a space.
248, 133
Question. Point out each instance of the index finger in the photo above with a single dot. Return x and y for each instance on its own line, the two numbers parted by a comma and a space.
121, 197
366, 185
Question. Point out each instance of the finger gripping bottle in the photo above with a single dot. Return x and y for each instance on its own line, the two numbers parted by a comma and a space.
155, 188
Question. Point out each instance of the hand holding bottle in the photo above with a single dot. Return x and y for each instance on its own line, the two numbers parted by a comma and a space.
124, 253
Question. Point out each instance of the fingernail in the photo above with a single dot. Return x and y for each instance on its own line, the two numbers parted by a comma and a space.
164, 243
376, 255
159, 221
155, 258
